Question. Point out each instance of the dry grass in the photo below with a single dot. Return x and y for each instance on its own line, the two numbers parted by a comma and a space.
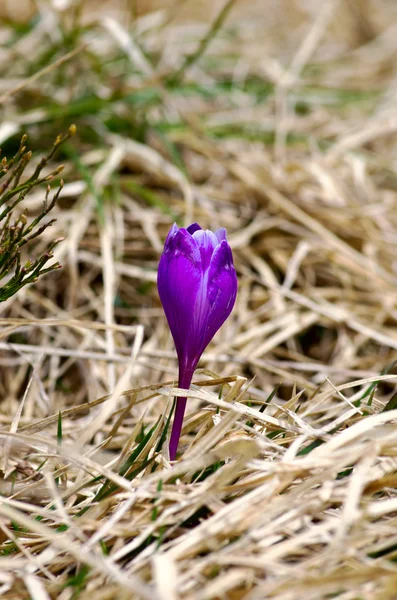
283, 131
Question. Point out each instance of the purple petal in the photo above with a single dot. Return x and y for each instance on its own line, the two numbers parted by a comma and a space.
179, 281
171, 233
221, 234
222, 261
206, 242
222, 289
193, 227
181, 242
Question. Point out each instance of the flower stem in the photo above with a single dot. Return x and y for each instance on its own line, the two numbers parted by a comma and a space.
185, 379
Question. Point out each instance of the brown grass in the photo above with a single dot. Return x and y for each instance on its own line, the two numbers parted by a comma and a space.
284, 498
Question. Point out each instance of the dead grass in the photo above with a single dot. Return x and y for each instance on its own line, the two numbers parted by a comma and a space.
281, 129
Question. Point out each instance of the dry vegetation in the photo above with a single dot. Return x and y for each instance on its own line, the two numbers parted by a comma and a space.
278, 121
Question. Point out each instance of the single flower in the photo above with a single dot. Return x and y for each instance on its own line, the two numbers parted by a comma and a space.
197, 285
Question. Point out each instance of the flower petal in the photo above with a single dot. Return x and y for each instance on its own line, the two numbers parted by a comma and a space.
222, 289
171, 234
206, 242
179, 282
221, 234
193, 227
181, 242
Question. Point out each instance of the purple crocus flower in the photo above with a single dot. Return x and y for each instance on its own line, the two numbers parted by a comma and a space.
197, 284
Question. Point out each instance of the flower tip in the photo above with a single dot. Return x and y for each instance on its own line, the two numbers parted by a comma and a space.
193, 228
174, 229
221, 234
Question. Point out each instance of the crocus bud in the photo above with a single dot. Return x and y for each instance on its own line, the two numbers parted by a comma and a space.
197, 285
